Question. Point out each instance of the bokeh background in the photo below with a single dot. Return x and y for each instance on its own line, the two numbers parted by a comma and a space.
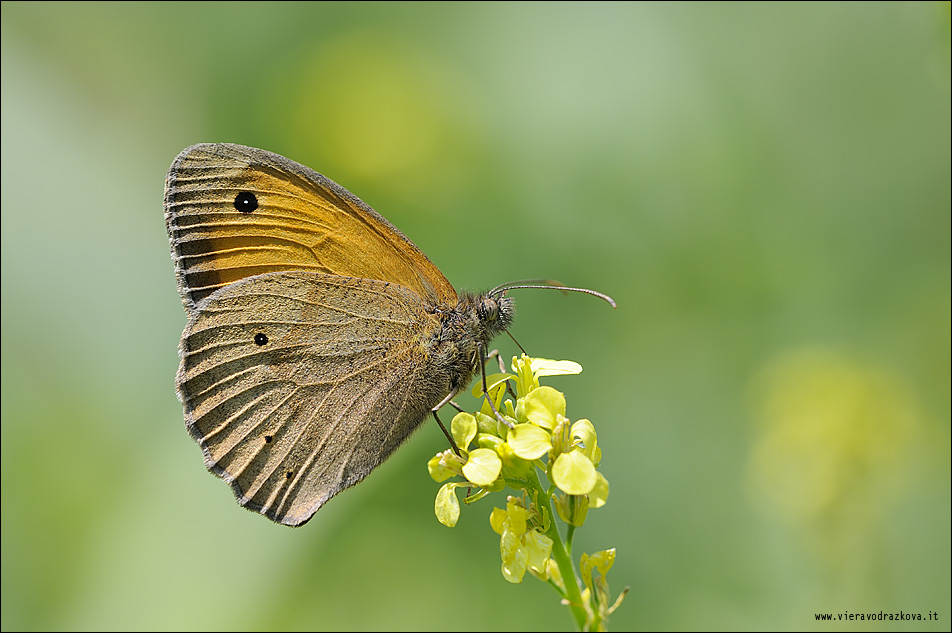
763, 188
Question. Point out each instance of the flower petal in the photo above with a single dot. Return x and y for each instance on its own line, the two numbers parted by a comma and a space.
492, 381
514, 557
463, 429
604, 560
483, 466
573, 473
447, 505
583, 436
539, 547
528, 441
546, 367
438, 470
498, 520
599, 494
543, 405
517, 516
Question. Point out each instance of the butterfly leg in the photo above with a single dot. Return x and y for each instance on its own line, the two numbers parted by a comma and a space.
449, 397
495, 354
502, 369
447, 400
482, 369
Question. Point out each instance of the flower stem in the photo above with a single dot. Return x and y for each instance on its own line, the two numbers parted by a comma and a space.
573, 595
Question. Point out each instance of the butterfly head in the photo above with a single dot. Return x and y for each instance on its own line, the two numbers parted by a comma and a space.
495, 312
482, 316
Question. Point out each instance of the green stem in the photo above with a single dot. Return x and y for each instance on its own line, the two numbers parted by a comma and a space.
572, 593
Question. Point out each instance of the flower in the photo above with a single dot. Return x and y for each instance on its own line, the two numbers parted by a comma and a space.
515, 444
597, 594
522, 545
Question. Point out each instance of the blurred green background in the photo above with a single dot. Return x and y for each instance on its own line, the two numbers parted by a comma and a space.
763, 188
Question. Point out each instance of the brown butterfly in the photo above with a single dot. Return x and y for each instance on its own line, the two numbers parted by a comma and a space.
319, 337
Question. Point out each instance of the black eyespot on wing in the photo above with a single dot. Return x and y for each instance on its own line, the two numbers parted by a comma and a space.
261, 339
246, 202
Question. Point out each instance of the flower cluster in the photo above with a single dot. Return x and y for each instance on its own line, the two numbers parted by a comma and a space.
509, 444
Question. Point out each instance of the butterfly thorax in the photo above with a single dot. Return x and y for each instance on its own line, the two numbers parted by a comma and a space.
465, 329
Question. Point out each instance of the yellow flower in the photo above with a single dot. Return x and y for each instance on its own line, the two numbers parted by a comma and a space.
521, 547
503, 446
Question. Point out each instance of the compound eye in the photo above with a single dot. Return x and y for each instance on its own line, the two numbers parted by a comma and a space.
490, 309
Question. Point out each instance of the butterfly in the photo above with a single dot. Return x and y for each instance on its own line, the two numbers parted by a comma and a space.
319, 337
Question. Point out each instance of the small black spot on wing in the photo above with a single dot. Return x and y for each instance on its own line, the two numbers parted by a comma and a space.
246, 202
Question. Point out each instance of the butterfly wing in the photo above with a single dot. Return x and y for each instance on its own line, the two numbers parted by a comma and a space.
234, 211
298, 384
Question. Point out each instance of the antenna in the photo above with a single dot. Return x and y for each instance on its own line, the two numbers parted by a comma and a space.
550, 284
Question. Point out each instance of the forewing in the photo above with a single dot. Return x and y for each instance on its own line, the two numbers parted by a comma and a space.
234, 211
297, 384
